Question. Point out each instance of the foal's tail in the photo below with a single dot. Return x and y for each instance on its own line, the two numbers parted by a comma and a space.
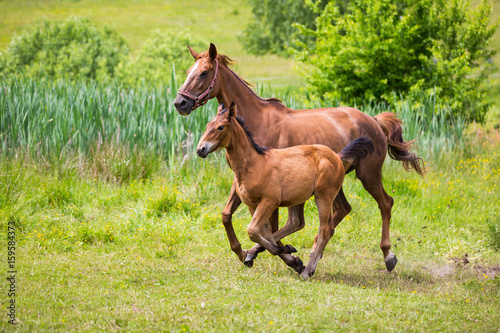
355, 151
398, 148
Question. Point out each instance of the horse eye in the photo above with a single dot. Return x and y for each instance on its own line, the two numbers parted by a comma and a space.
220, 128
203, 73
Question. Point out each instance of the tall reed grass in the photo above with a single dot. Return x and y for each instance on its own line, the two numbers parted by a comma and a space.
55, 120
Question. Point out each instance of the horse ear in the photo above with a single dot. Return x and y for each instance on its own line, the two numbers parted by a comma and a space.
232, 110
212, 51
221, 106
193, 53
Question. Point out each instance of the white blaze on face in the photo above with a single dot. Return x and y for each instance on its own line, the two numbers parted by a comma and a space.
193, 71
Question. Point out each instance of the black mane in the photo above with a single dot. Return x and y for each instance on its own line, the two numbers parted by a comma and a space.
259, 149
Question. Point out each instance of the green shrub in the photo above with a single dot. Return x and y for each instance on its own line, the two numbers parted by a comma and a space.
378, 47
70, 49
154, 61
273, 30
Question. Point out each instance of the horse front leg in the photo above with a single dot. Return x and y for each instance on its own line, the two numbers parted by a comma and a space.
257, 248
259, 230
232, 204
295, 218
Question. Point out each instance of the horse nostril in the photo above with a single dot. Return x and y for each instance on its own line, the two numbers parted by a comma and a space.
183, 104
201, 152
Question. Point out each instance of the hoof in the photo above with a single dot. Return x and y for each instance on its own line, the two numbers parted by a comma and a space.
249, 260
290, 249
299, 266
390, 261
306, 275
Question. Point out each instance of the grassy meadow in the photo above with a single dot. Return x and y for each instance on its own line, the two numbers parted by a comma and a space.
151, 254
114, 233
117, 231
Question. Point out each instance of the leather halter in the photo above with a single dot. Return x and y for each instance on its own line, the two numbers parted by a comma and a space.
205, 96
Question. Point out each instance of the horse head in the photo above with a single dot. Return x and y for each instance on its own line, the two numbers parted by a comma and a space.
217, 134
200, 82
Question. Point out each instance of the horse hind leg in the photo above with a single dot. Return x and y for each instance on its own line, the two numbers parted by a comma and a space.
294, 223
325, 232
371, 179
341, 208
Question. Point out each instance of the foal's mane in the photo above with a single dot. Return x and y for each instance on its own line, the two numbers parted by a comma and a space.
261, 150
225, 61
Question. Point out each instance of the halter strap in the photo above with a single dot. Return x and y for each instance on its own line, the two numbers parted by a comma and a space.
205, 96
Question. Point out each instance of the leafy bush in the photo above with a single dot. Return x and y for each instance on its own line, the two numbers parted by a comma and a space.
378, 47
157, 56
273, 29
70, 49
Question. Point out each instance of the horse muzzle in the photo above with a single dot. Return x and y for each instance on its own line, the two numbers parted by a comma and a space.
204, 148
183, 105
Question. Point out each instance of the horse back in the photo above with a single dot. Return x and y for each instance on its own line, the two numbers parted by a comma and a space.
332, 127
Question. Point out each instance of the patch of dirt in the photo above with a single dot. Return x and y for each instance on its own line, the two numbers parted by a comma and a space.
491, 272
460, 261
442, 271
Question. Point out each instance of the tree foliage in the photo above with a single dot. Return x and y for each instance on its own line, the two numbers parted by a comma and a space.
74, 49
376, 48
71, 49
154, 61
273, 29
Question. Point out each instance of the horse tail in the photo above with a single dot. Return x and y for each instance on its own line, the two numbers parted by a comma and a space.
355, 151
399, 149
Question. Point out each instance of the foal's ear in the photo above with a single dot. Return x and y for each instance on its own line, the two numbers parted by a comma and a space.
232, 110
212, 51
193, 53
221, 106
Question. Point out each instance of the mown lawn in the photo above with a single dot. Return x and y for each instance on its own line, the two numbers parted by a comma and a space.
152, 255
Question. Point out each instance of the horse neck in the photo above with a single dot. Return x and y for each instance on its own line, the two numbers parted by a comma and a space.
254, 109
240, 151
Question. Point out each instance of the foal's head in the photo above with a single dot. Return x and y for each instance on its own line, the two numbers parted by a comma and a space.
217, 134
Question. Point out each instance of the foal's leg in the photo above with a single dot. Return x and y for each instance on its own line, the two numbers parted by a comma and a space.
325, 232
294, 223
372, 182
232, 204
292, 261
257, 248
258, 230
341, 208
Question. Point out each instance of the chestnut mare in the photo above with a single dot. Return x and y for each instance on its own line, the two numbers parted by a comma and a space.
275, 125
270, 178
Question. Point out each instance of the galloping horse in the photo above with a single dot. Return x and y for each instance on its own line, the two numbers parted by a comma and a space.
270, 178
275, 125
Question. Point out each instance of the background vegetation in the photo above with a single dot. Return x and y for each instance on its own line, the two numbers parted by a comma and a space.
119, 226
372, 49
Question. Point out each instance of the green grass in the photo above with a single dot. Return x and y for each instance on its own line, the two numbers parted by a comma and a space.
113, 234
152, 255
63, 120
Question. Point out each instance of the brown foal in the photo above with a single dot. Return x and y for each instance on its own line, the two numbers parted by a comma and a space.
275, 125
270, 178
